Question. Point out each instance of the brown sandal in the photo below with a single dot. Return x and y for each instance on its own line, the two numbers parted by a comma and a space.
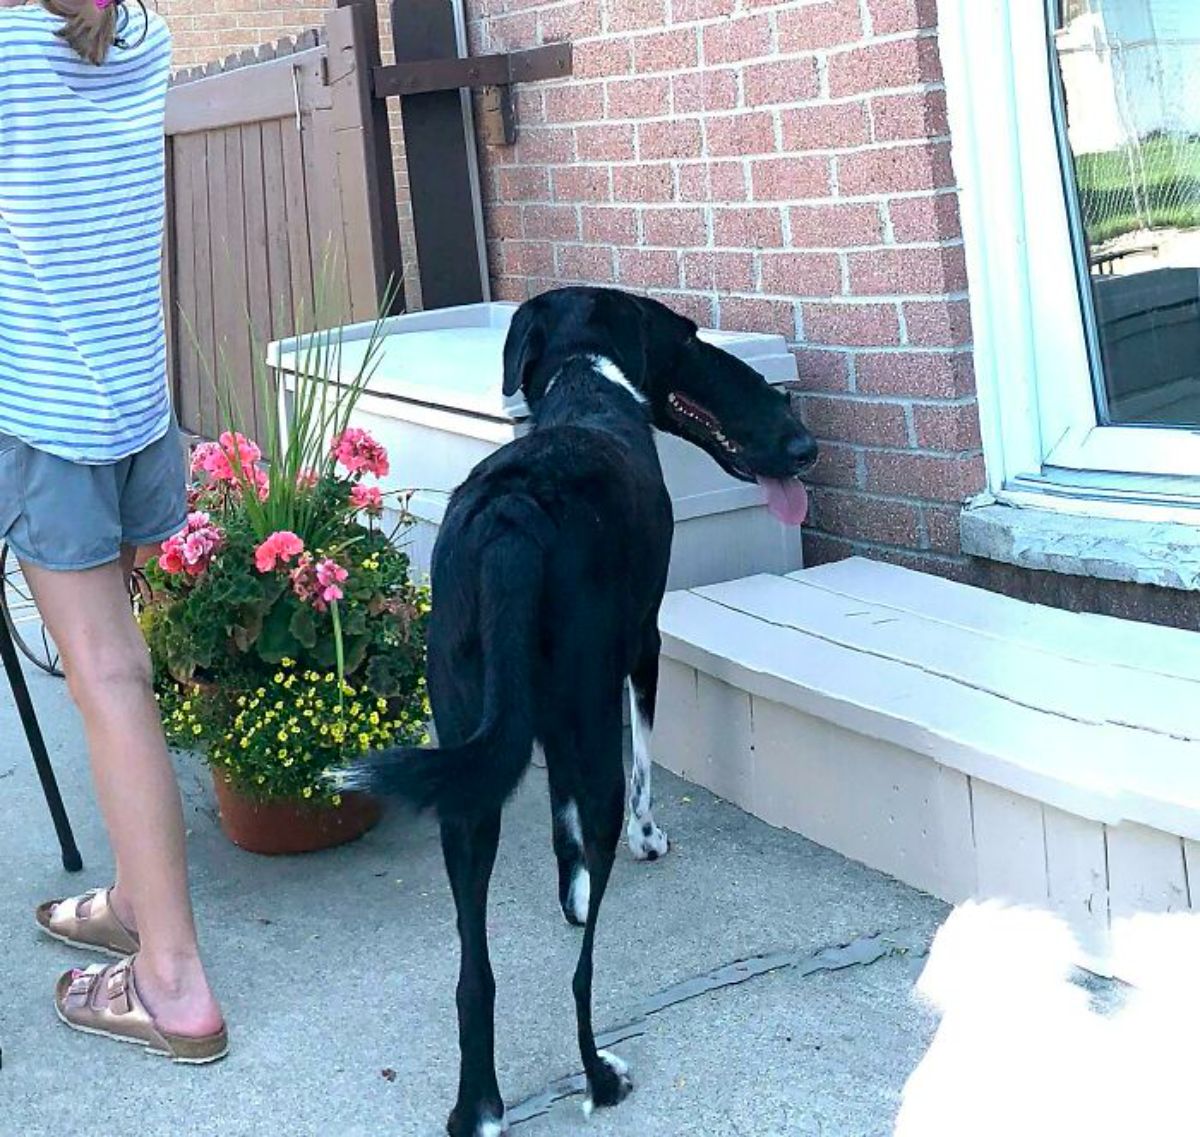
125, 1018
97, 929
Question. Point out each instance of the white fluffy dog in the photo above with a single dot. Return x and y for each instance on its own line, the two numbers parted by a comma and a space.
1022, 1052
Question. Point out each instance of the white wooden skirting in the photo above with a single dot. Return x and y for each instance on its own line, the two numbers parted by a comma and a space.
964, 742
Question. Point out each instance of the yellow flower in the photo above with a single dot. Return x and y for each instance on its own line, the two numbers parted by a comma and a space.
308, 791
289, 762
197, 729
278, 677
374, 718
285, 662
336, 799
282, 736
245, 744
261, 778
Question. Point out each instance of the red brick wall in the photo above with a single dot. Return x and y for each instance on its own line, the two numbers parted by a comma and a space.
772, 166
204, 30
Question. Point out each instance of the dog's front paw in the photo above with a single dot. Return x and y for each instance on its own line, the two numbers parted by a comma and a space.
610, 1086
465, 1124
646, 840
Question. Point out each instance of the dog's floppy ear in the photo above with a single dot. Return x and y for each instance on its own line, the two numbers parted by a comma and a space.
664, 332
524, 346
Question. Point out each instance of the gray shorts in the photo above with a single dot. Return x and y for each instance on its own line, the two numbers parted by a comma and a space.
67, 517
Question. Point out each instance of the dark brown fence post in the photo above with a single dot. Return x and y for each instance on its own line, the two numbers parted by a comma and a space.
170, 310
442, 172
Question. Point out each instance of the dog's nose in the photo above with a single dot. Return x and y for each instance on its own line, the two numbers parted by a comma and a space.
802, 451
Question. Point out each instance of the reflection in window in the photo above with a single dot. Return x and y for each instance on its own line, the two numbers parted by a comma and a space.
1129, 75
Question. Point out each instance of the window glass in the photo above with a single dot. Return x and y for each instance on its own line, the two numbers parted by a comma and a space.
1128, 86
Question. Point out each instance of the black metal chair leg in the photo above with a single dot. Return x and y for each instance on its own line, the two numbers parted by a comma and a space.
71, 859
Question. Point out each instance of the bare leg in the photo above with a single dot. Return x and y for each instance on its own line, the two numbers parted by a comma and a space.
108, 672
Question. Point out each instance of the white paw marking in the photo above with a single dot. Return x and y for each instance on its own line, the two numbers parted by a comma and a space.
614, 374
647, 846
579, 897
617, 1065
492, 1128
646, 841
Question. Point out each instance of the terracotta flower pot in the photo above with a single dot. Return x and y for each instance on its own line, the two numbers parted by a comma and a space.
287, 826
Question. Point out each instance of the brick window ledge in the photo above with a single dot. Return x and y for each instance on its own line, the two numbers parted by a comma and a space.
1164, 554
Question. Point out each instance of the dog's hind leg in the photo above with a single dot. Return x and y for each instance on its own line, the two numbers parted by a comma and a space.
601, 813
469, 848
574, 882
646, 840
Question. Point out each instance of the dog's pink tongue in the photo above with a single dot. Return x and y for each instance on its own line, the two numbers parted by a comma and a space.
787, 499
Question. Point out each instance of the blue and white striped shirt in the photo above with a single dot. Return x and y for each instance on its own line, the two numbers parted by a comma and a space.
82, 202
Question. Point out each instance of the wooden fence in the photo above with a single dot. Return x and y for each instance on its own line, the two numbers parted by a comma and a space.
280, 187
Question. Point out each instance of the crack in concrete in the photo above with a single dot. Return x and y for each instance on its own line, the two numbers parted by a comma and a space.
861, 952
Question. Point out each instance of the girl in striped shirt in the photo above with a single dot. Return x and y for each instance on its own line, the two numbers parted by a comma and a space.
92, 467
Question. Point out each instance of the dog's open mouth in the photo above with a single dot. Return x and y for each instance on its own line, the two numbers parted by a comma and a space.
787, 498
704, 425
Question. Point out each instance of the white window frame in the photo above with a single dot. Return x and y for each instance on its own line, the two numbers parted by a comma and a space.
1043, 443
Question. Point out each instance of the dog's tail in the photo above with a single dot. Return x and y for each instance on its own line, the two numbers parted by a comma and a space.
482, 772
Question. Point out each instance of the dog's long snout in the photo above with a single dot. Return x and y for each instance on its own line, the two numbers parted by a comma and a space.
803, 448
803, 451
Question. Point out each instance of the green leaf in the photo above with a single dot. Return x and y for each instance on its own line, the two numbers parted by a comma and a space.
355, 652
277, 641
304, 626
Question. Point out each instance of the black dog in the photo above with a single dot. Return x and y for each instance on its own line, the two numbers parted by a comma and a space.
548, 574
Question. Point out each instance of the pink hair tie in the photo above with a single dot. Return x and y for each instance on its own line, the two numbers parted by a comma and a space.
102, 4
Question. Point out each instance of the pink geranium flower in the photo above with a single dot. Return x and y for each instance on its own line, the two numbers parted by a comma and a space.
277, 550
367, 498
232, 458
359, 453
330, 576
205, 457
319, 582
191, 550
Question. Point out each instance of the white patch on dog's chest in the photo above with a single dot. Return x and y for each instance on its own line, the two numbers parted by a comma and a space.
606, 367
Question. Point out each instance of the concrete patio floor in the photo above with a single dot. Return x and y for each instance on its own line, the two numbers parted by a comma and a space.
337, 972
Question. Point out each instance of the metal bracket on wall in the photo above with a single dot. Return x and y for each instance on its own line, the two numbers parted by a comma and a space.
494, 75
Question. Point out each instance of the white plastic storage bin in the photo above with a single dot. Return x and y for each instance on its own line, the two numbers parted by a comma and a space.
435, 401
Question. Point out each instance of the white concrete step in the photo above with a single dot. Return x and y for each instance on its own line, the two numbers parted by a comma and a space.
967, 743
